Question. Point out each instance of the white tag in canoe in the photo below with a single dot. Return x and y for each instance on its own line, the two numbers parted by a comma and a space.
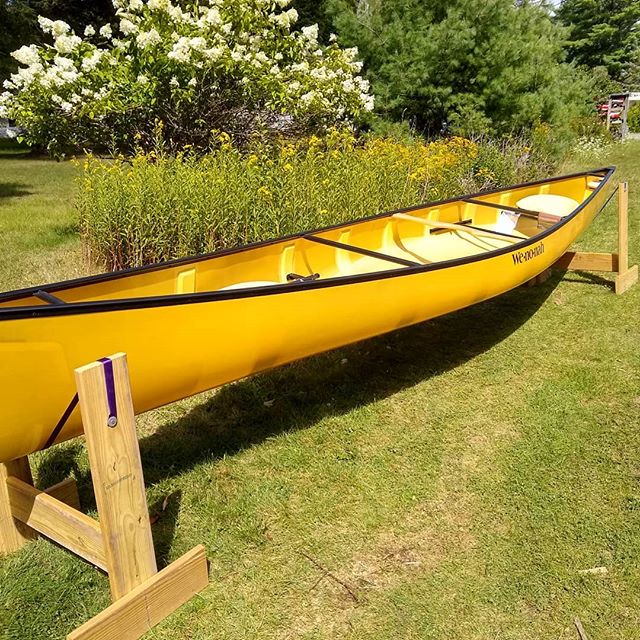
507, 221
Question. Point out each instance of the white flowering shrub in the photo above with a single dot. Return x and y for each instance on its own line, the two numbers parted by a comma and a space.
229, 65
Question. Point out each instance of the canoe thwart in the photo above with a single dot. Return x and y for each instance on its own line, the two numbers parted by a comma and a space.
525, 213
45, 296
474, 231
437, 230
364, 252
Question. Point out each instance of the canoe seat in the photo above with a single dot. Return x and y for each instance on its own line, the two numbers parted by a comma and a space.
296, 277
550, 207
250, 283
291, 277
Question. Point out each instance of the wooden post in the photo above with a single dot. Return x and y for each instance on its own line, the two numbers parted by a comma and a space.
116, 471
626, 277
13, 533
617, 262
121, 543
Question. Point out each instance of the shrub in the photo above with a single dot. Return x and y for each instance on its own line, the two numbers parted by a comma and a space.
155, 207
633, 118
468, 66
229, 65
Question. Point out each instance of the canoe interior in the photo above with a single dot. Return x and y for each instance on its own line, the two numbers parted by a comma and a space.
273, 262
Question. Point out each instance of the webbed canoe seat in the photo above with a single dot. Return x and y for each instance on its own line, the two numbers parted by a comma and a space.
291, 277
249, 284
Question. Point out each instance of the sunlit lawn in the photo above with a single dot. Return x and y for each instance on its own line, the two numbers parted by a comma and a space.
457, 475
37, 221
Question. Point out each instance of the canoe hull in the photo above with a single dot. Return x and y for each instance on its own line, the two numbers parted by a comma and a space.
179, 350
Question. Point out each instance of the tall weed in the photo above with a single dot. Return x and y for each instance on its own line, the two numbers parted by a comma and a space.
155, 207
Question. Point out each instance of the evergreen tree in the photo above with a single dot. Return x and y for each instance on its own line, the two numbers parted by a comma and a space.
473, 65
18, 24
602, 33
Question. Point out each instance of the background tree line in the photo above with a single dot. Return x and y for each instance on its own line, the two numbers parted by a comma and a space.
493, 66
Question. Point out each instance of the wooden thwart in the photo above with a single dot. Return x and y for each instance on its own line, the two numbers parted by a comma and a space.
120, 543
618, 262
474, 231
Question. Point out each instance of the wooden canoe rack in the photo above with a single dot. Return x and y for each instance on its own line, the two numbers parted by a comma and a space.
617, 263
120, 543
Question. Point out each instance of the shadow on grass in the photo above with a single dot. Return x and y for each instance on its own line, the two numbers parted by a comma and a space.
66, 231
587, 277
299, 395
13, 190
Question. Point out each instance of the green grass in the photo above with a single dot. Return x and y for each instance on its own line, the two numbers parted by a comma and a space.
38, 224
456, 475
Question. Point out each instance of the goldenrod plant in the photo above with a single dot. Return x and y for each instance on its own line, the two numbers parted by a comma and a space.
157, 206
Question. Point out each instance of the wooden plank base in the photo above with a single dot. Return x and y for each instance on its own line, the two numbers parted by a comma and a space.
146, 605
624, 281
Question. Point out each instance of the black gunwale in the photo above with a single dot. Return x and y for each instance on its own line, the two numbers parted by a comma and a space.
123, 304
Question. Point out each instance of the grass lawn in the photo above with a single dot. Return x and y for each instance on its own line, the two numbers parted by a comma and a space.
457, 475
37, 222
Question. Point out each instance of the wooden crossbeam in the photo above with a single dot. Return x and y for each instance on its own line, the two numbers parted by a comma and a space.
474, 231
13, 533
365, 252
66, 491
57, 521
588, 261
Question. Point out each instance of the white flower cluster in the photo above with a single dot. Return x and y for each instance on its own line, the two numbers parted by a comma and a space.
159, 44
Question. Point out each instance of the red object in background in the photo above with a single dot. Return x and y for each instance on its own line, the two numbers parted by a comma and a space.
603, 109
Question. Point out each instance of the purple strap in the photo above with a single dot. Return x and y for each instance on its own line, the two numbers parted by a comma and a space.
112, 421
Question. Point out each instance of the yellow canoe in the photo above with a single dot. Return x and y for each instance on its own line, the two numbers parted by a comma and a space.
193, 324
